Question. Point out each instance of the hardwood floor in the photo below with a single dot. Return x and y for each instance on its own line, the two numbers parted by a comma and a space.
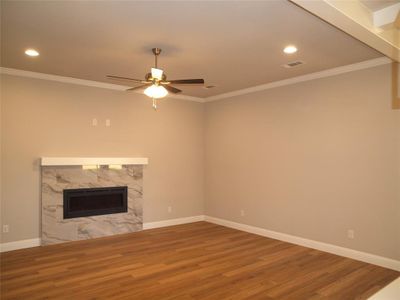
193, 261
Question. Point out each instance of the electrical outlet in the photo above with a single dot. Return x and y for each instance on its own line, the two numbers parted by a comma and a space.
350, 234
242, 212
108, 123
169, 209
94, 122
6, 228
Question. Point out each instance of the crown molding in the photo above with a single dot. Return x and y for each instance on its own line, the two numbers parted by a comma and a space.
322, 74
84, 82
64, 79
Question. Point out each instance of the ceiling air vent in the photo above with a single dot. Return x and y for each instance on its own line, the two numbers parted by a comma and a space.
293, 64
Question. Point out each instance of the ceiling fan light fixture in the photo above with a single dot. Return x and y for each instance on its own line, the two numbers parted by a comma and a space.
290, 49
156, 91
31, 52
157, 73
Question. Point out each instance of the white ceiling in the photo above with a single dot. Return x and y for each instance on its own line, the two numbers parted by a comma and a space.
231, 44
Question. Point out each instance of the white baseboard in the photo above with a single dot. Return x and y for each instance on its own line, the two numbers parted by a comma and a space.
346, 252
172, 222
36, 242
4, 247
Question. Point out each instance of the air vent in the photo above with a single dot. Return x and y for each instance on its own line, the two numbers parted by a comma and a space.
293, 64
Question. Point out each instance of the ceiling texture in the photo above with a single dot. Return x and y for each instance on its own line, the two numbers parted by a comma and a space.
232, 45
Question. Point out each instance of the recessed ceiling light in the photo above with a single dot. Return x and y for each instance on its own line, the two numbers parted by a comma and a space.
31, 52
290, 49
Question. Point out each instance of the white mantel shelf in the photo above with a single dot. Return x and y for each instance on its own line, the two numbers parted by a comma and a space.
82, 161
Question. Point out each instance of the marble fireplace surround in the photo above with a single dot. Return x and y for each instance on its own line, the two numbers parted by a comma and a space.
59, 173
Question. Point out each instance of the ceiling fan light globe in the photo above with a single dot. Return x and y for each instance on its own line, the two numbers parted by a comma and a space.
156, 91
290, 49
31, 52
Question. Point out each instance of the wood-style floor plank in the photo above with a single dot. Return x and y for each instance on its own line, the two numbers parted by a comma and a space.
192, 261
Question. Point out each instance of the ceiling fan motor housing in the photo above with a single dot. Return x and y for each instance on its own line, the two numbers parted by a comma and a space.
156, 51
149, 78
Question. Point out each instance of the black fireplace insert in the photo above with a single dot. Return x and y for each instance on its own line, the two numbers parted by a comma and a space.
95, 201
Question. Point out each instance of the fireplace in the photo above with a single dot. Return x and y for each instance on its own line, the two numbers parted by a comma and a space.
94, 201
71, 212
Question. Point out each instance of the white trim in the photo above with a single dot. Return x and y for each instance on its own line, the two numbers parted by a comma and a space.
91, 83
322, 74
386, 15
355, 19
79, 161
171, 222
36, 242
185, 97
346, 252
64, 79
4, 247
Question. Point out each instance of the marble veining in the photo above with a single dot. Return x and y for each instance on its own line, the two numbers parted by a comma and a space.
56, 229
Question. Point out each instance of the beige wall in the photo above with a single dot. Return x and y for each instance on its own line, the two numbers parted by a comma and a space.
44, 118
312, 160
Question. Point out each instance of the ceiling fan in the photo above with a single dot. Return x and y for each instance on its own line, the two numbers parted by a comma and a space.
155, 83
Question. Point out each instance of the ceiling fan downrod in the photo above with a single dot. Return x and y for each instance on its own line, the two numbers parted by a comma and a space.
156, 52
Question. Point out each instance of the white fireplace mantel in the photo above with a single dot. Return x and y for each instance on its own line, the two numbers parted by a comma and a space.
82, 161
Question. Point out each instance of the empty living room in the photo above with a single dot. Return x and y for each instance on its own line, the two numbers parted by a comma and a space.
193, 150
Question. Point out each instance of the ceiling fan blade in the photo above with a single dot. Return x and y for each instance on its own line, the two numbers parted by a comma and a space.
140, 87
125, 78
187, 81
172, 89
